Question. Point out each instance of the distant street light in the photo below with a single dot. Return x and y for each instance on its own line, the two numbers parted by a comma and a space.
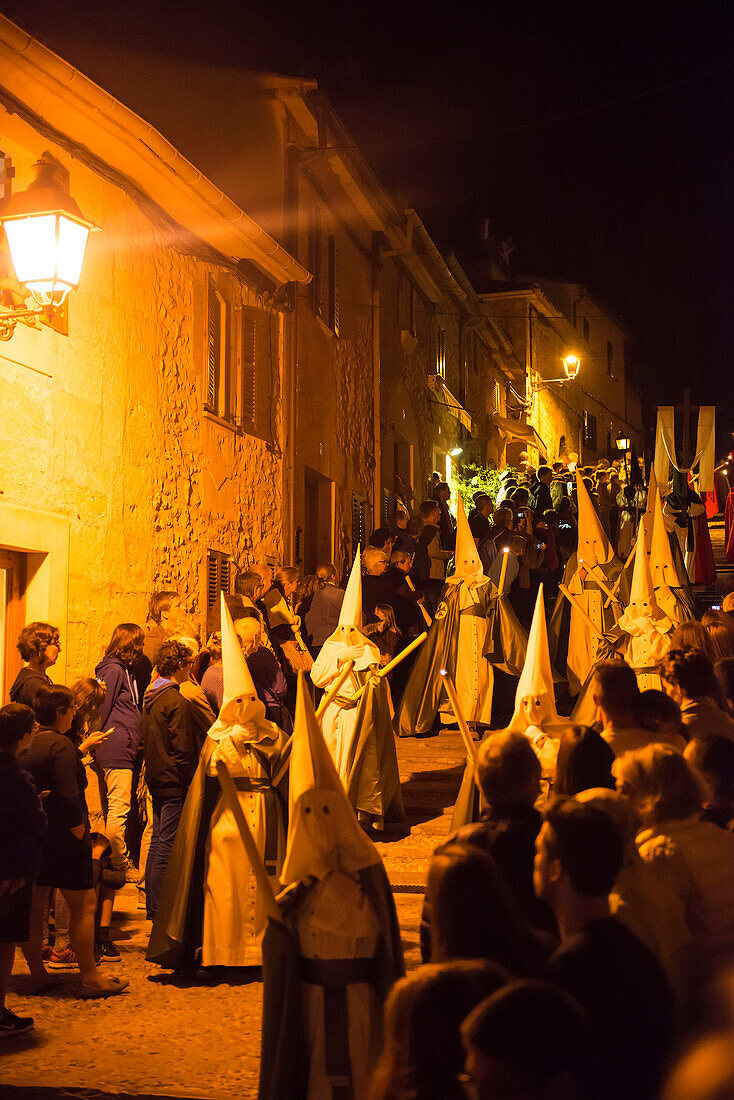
47, 237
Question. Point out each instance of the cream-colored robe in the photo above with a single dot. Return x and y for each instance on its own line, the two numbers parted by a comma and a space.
234, 919
339, 718
336, 921
474, 673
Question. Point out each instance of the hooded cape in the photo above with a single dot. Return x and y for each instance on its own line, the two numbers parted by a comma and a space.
504, 649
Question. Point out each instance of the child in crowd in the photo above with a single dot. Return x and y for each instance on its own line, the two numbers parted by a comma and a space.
384, 633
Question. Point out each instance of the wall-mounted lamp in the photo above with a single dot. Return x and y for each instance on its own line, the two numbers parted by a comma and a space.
47, 238
571, 366
622, 443
456, 451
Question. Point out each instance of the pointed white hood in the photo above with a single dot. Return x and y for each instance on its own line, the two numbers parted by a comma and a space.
594, 546
662, 567
642, 613
240, 704
648, 515
467, 565
351, 609
535, 703
323, 832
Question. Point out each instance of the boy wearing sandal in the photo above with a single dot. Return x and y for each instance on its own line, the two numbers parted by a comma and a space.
55, 764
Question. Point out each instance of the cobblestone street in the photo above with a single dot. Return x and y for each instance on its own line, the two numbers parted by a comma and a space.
202, 1040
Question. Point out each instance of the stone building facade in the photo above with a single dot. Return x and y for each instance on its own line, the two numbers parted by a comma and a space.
133, 459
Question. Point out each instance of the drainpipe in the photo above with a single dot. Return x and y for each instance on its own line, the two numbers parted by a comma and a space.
377, 485
290, 353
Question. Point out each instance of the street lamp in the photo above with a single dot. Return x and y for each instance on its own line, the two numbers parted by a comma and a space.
622, 443
47, 238
456, 451
571, 364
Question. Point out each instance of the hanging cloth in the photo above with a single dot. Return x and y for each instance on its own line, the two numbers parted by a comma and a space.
665, 451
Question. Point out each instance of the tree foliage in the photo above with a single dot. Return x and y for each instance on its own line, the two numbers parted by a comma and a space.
469, 479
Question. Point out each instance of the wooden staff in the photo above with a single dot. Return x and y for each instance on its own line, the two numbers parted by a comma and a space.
471, 750
625, 567
395, 661
232, 803
572, 600
503, 570
426, 617
285, 757
590, 570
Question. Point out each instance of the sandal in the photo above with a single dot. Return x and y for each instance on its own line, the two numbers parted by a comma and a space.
95, 992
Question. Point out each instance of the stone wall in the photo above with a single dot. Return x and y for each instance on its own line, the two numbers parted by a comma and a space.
106, 426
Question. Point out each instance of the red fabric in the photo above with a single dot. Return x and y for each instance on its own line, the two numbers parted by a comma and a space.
705, 568
710, 503
729, 526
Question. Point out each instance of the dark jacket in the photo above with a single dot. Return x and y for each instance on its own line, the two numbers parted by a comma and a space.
23, 821
169, 741
322, 617
55, 765
542, 498
376, 590
119, 709
27, 683
270, 683
479, 525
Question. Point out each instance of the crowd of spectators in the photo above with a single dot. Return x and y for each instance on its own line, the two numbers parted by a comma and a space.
574, 938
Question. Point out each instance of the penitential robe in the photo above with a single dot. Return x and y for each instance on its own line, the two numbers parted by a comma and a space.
645, 623
329, 963
672, 591
360, 735
535, 715
474, 631
574, 647
210, 910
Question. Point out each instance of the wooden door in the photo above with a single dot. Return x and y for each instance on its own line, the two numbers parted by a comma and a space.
12, 616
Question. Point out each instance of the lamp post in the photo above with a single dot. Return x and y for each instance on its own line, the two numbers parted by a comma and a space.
47, 238
623, 445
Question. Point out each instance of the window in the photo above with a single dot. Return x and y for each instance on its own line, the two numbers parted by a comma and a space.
589, 431
440, 351
248, 370
219, 381
359, 522
585, 328
610, 358
497, 398
218, 576
332, 314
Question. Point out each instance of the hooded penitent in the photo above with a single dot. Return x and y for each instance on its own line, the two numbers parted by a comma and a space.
473, 633
672, 591
574, 647
209, 898
328, 966
645, 622
359, 735
535, 715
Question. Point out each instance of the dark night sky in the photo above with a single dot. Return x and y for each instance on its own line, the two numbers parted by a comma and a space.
452, 105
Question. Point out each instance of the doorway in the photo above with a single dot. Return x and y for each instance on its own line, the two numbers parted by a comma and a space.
317, 520
13, 580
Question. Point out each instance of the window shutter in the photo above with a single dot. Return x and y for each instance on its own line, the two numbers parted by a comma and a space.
212, 578
440, 351
213, 348
218, 576
358, 523
385, 508
333, 286
249, 370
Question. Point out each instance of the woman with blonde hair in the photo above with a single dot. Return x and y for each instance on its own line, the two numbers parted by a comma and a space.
694, 858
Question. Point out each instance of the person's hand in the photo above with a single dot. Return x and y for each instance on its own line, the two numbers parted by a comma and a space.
97, 737
10, 886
